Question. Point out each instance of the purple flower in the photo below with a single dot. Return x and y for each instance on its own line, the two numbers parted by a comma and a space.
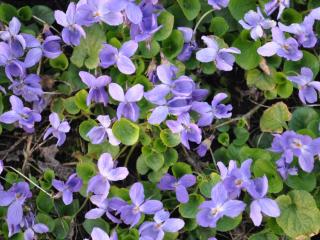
67, 189
58, 129
102, 132
188, 131
217, 110
218, 4
97, 92
72, 32
272, 6
128, 107
51, 47
131, 214
261, 204
315, 14
105, 207
24, 116
110, 56
222, 57
169, 182
32, 227
1, 166
204, 146
256, 23
99, 234
99, 184
189, 44
15, 198
162, 224
287, 48
219, 205
95, 11
307, 87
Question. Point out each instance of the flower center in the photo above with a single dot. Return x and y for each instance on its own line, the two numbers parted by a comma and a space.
136, 209
216, 210
296, 143
238, 182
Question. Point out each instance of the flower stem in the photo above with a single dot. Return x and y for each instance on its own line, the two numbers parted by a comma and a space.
200, 20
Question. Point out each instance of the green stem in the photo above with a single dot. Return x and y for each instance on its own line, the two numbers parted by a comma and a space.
45, 23
200, 20
129, 155
82, 206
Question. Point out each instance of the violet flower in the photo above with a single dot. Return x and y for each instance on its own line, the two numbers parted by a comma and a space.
256, 23
261, 204
287, 48
58, 129
179, 186
99, 184
218, 4
189, 44
219, 205
15, 198
72, 32
273, 5
101, 133
131, 213
99, 234
51, 47
204, 146
110, 56
162, 224
97, 92
128, 107
32, 227
72, 185
1, 166
222, 57
23, 116
188, 131
307, 87
217, 110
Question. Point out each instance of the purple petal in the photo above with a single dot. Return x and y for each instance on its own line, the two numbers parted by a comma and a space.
173, 225
182, 194
269, 207
158, 115
95, 213
116, 92
40, 228
98, 234
233, 208
125, 65
269, 49
187, 180
151, 206
135, 93
118, 174
206, 55
255, 213
129, 48
105, 164
137, 193
15, 213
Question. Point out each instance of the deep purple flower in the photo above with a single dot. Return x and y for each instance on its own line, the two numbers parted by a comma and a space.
217, 110
222, 57
131, 213
99, 184
256, 23
307, 87
28, 87
189, 44
72, 185
15, 198
162, 224
273, 5
103, 132
218, 4
179, 186
72, 32
51, 47
287, 48
24, 116
32, 227
128, 107
219, 205
110, 56
97, 92
261, 204
58, 129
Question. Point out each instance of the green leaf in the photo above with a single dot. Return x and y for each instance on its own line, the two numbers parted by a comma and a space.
71, 106
169, 139
61, 229
190, 209
47, 220
25, 13
44, 202
285, 90
224, 139
263, 236
86, 170
290, 16
87, 53
60, 62
85, 127
239, 8
43, 12
226, 224
260, 80
274, 118
180, 168
95, 150
142, 167
207, 182
149, 50
190, 8
218, 26
80, 100
300, 216
309, 60
89, 224
126, 131
303, 181
173, 45
154, 160
165, 19
170, 157
301, 117
7, 12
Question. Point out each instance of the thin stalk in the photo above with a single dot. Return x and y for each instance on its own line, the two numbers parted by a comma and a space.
200, 20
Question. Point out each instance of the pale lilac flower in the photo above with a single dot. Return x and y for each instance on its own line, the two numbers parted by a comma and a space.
219, 206
261, 204
216, 110
1, 166
273, 5
58, 129
99, 234
97, 92
128, 107
103, 132
307, 87
51, 47
224, 171
131, 214
32, 227
287, 48
110, 56
189, 46
204, 146
222, 57
315, 13
218, 4
256, 23
108, 171
188, 131
23, 116
15, 198
72, 32
179, 186
72, 185
162, 224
